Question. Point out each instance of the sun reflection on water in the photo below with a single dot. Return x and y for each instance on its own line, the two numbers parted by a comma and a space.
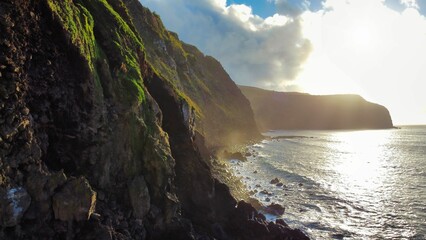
360, 160
362, 175
345, 184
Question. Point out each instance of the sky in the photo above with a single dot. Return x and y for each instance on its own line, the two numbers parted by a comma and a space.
375, 48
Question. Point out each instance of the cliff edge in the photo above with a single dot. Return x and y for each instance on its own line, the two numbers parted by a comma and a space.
282, 110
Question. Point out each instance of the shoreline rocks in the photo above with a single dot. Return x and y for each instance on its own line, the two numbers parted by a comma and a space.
275, 181
234, 155
275, 209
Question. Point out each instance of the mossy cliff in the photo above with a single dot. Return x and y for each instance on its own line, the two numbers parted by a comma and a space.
98, 141
223, 114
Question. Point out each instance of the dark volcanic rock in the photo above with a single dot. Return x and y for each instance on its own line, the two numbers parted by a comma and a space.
290, 110
234, 155
275, 181
13, 204
139, 197
275, 209
252, 225
75, 201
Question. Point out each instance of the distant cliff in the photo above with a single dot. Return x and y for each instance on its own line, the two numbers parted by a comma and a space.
99, 107
280, 110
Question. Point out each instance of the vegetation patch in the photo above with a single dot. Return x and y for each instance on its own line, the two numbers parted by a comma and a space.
79, 24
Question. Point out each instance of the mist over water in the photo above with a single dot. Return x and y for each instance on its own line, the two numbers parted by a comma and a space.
344, 184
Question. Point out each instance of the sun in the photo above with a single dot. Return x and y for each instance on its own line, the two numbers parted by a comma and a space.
361, 37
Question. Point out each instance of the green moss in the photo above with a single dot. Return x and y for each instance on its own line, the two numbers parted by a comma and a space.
99, 32
82, 20
125, 44
122, 46
176, 45
79, 24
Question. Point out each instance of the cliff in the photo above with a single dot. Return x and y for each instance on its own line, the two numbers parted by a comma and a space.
223, 114
98, 142
279, 110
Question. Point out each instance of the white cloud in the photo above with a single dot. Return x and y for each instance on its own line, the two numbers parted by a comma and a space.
219, 3
285, 7
276, 20
256, 51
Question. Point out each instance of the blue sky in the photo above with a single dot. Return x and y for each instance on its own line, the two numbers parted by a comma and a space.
266, 8
262, 8
399, 6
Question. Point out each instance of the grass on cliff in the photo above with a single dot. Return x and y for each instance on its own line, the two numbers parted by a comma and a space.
85, 22
100, 32
78, 23
157, 37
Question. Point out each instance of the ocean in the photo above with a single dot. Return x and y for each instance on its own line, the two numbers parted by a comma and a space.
368, 184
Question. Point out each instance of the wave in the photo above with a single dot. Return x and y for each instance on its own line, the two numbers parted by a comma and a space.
336, 210
287, 175
258, 145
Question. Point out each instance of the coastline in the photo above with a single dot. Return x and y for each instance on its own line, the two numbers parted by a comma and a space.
326, 201
223, 168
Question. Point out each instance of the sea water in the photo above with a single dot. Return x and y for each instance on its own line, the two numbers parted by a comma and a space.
343, 184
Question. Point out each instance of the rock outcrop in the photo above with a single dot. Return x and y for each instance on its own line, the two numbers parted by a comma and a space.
75, 201
282, 110
96, 142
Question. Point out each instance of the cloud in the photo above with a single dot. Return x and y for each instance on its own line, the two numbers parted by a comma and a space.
410, 3
365, 47
255, 51
291, 8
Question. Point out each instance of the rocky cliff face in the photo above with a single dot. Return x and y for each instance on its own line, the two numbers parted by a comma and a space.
279, 110
97, 143
223, 114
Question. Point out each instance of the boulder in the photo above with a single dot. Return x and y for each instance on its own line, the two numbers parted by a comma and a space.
275, 181
234, 155
275, 209
13, 204
266, 192
75, 201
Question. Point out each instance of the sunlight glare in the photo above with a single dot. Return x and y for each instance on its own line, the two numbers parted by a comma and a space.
366, 48
362, 161
361, 37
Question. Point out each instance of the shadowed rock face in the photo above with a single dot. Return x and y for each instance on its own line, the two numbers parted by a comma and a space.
14, 203
96, 143
75, 201
279, 110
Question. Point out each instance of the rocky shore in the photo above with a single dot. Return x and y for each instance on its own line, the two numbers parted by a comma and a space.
98, 143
